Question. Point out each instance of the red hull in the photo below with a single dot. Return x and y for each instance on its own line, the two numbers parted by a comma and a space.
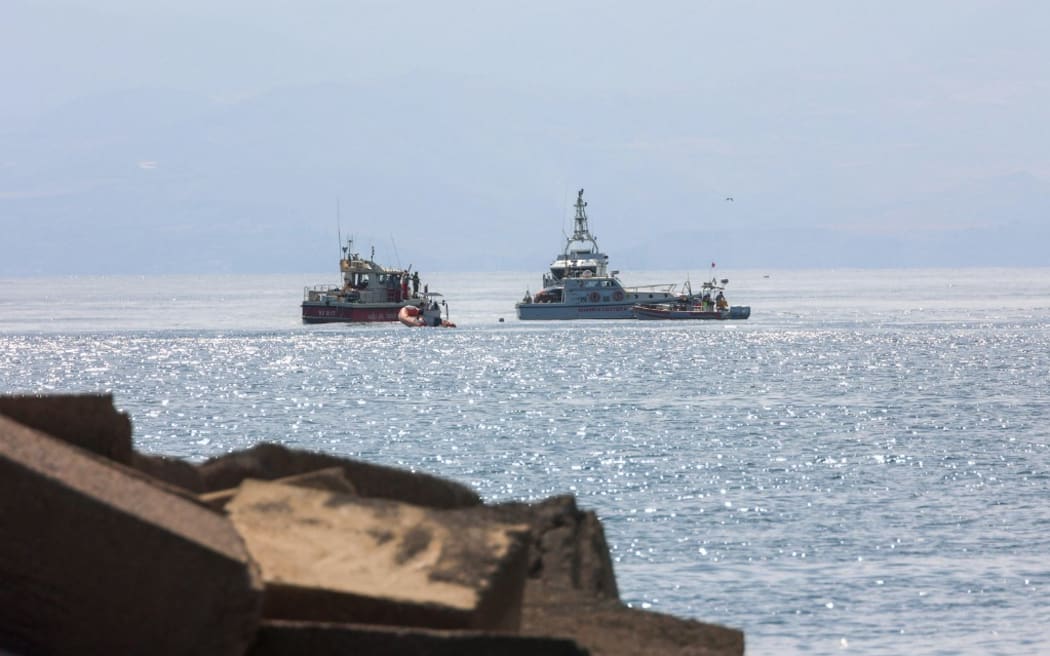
350, 313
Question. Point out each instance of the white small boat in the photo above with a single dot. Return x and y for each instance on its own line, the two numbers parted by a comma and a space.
427, 315
675, 312
710, 304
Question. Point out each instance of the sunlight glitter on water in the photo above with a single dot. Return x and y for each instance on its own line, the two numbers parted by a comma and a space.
893, 466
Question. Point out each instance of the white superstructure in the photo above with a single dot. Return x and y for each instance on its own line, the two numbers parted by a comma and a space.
580, 286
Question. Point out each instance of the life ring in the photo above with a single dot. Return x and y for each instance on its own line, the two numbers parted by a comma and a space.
617, 296
595, 297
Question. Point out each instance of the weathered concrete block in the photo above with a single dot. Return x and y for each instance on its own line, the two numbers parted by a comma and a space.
572, 593
568, 548
271, 461
172, 471
332, 479
339, 558
608, 628
88, 421
94, 559
283, 638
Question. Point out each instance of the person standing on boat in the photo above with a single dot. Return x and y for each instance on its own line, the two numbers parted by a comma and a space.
415, 283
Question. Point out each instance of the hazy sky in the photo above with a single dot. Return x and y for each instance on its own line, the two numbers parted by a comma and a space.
835, 127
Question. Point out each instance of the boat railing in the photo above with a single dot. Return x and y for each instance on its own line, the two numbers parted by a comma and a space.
317, 291
665, 288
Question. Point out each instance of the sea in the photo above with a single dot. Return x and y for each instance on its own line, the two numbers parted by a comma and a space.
863, 466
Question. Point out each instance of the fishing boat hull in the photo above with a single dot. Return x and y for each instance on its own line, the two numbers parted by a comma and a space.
685, 314
344, 312
368, 292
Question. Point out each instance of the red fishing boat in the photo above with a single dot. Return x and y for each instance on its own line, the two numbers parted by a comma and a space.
369, 292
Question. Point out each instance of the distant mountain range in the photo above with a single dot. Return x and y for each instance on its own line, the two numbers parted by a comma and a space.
444, 174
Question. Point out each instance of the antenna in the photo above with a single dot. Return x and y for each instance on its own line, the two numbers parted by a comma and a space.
339, 227
397, 258
564, 208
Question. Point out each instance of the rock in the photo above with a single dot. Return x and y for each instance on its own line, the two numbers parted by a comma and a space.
94, 559
333, 557
104, 550
572, 593
282, 638
332, 479
88, 421
608, 628
172, 471
568, 549
271, 461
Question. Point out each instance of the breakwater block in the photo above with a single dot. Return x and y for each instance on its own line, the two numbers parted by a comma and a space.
283, 638
271, 461
88, 421
332, 479
609, 628
172, 471
334, 557
96, 559
568, 549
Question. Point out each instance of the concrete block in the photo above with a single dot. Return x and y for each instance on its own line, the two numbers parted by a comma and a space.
568, 549
268, 462
338, 558
172, 471
608, 628
332, 479
96, 560
284, 638
88, 421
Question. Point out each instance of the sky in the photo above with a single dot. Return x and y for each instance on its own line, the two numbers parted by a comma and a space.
246, 137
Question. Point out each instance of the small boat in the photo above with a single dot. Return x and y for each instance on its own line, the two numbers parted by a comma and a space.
694, 312
710, 304
580, 286
428, 315
369, 292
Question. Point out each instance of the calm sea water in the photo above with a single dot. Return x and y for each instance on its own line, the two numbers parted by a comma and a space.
863, 466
